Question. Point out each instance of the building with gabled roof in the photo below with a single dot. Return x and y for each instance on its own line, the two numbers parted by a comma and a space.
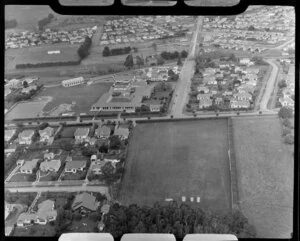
29, 166
103, 132
50, 166
25, 137
84, 203
74, 166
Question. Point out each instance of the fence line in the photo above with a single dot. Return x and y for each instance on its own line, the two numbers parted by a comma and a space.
232, 167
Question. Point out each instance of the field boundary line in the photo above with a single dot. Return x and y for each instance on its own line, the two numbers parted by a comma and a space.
232, 167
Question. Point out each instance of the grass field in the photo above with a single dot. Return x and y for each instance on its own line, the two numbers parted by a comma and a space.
175, 159
26, 110
84, 96
35, 55
265, 176
19, 177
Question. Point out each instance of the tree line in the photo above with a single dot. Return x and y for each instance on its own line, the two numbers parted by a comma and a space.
43, 22
83, 50
47, 64
11, 23
174, 218
174, 55
117, 51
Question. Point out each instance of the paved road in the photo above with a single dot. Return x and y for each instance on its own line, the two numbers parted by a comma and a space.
187, 72
101, 189
269, 87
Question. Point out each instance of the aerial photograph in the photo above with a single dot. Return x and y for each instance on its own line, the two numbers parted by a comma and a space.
166, 124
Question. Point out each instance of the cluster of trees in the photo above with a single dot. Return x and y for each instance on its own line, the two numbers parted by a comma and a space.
47, 64
11, 23
43, 22
129, 62
287, 132
172, 75
117, 51
282, 84
19, 96
258, 60
83, 50
174, 55
177, 219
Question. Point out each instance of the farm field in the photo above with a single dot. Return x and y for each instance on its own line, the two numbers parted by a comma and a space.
265, 176
175, 159
83, 95
26, 109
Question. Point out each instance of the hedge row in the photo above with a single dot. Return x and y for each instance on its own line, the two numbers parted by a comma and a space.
47, 64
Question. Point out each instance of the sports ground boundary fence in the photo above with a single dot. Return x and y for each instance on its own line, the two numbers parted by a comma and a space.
234, 189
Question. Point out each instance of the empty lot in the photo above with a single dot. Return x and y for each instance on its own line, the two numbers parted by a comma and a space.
175, 159
265, 176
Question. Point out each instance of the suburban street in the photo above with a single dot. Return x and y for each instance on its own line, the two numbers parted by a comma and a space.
269, 87
183, 85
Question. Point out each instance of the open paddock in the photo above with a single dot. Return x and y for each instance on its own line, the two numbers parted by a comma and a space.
175, 159
265, 175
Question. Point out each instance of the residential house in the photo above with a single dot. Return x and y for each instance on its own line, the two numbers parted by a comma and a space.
74, 166
245, 61
46, 134
81, 134
203, 89
235, 104
204, 96
85, 203
243, 96
103, 132
218, 100
25, 137
204, 103
50, 166
97, 167
28, 89
286, 101
122, 132
8, 134
49, 156
29, 166
45, 214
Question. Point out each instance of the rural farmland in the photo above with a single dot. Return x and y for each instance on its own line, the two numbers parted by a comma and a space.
175, 159
265, 176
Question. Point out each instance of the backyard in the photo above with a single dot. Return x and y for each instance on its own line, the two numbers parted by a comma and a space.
265, 176
175, 159
35, 230
84, 96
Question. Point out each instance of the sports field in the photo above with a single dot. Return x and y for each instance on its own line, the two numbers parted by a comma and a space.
30, 109
265, 175
175, 159
83, 95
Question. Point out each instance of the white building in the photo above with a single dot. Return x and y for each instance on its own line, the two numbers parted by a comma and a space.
73, 82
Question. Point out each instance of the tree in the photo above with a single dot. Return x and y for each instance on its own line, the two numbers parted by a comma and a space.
129, 62
184, 54
289, 139
103, 148
43, 125
88, 151
285, 112
108, 170
106, 51
25, 84
179, 62
287, 123
139, 61
115, 142
286, 131
251, 28
66, 145
282, 84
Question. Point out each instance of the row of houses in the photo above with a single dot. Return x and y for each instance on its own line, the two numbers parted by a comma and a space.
289, 90
160, 73
31, 39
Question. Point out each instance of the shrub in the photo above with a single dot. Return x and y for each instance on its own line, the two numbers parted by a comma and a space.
286, 131
287, 123
285, 112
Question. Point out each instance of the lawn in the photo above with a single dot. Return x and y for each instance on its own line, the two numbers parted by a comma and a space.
84, 96
19, 177
175, 159
68, 132
80, 175
29, 109
35, 230
77, 226
265, 176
